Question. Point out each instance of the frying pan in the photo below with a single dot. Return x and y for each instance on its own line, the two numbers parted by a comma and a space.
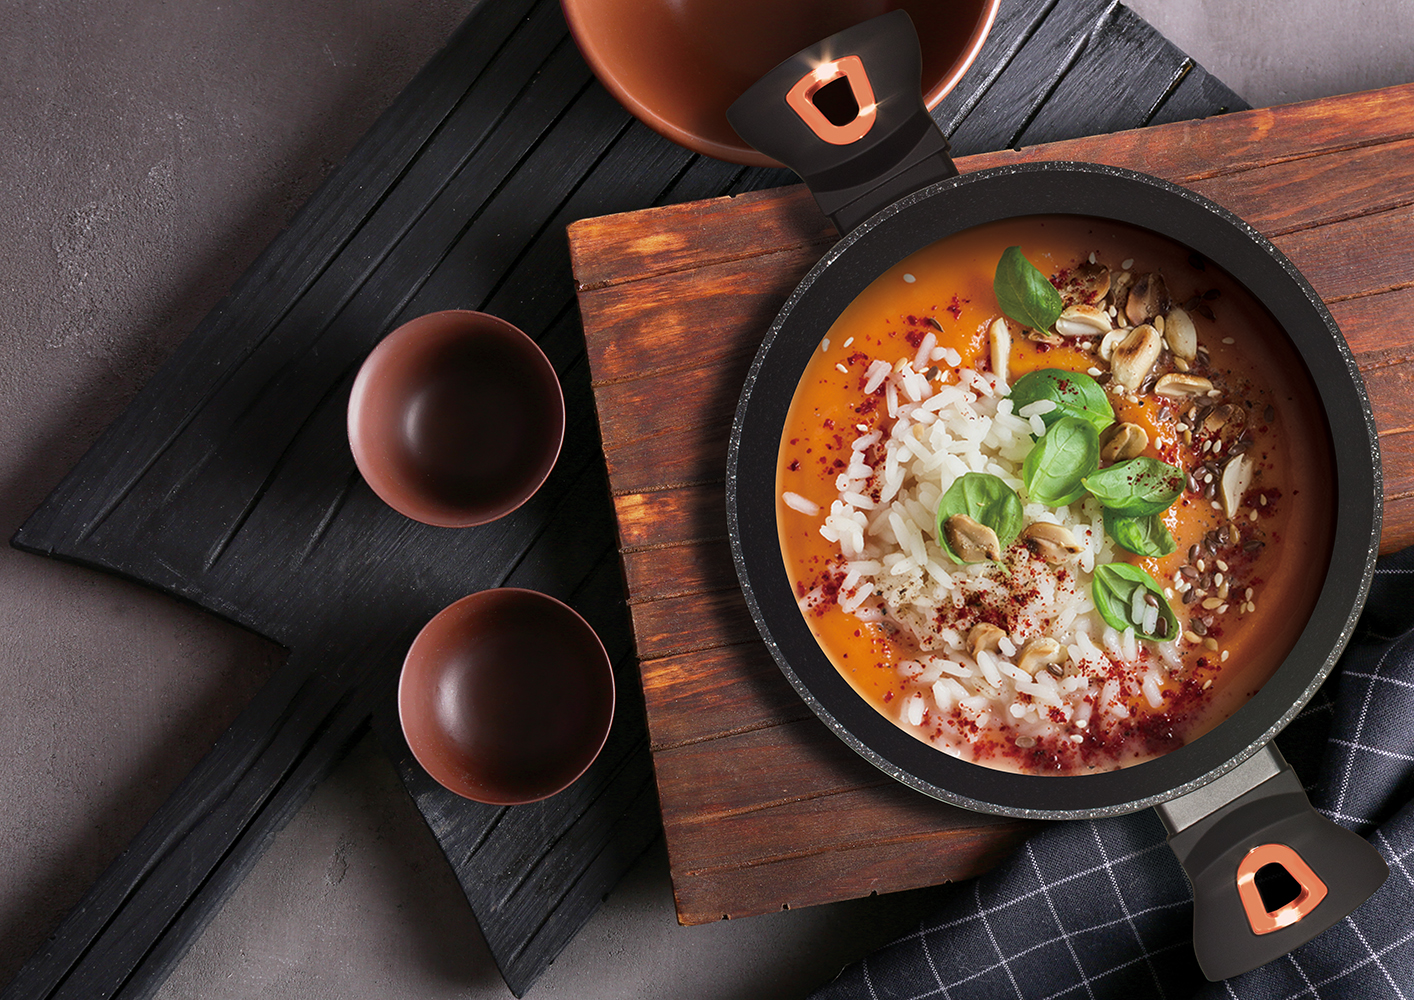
1231, 804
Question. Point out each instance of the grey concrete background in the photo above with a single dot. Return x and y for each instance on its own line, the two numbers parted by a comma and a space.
148, 151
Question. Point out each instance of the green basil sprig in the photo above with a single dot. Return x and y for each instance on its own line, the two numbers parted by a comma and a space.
1114, 594
1055, 469
1024, 293
1138, 487
1074, 393
986, 499
1145, 536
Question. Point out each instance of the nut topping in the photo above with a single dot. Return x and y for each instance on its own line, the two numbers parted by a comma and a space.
1182, 385
972, 541
1237, 476
1180, 334
1052, 542
1040, 652
1121, 441
984, 636
1082, 321
1228, 415
1090, 283
1147, 299
1134, 356
1000, 335
1107, 345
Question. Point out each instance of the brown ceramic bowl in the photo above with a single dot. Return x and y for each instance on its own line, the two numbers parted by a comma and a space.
677, 65
456, 418
506, 696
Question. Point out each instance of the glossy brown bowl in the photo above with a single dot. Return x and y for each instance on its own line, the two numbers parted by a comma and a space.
456, 418
506, 696
677, 65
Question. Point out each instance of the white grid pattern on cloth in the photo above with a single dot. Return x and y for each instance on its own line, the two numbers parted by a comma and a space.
1012, 901
981, 912
1019, 923
1124, 906
1347, 769
1051, 905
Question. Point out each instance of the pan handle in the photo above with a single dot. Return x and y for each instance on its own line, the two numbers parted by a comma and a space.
1268, 872
847, 114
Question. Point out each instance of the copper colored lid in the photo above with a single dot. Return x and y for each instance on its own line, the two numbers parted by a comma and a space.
456, 418
506, 696
678, 65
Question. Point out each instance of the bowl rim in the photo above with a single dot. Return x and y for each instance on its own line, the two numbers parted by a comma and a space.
387, 487
520, 593
581, 28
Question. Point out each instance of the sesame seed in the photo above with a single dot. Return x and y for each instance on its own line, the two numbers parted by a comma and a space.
1218, 578
1207, 683
842, 368
909, 278
1248, 595
1127, 264
1222, 565
1193, 637
1223, 658
848, 342
1222, 609
1209, 603
1228, 340
825, 344
1211, 643
1250, 517
1181, 427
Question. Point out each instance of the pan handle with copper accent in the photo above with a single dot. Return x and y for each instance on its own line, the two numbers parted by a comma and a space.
1268, 872
847, 114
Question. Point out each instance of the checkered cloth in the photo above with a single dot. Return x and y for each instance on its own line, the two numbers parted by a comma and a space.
1101, 909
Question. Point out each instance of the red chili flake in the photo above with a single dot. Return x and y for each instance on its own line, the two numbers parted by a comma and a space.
794, 465
955, 307
915, 337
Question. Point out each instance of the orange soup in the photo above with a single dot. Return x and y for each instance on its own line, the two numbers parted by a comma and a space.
1073, 609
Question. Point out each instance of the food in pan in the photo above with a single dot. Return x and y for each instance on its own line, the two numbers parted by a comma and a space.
1055, 495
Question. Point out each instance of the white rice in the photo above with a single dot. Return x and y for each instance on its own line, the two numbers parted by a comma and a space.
896, 572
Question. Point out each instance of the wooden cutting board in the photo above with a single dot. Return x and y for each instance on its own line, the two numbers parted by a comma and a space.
764, 808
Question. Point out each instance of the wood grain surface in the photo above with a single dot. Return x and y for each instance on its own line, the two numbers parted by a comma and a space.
763, 806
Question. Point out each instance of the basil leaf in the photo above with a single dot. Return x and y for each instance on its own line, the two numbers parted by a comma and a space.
986, 499
1137, 487
1024, 293
1055, 469
1145, 536
1074, 393
1113, 591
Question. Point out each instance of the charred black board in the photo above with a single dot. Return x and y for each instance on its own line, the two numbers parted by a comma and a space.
227, 482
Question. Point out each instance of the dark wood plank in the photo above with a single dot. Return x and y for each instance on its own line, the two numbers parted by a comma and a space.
320, 231
690, 695
670, 517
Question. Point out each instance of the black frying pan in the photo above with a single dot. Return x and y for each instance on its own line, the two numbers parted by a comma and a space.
1228, 799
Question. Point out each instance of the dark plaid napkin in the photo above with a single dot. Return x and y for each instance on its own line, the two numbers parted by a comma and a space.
1101, 909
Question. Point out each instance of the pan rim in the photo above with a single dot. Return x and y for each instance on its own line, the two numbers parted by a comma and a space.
1104, 192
